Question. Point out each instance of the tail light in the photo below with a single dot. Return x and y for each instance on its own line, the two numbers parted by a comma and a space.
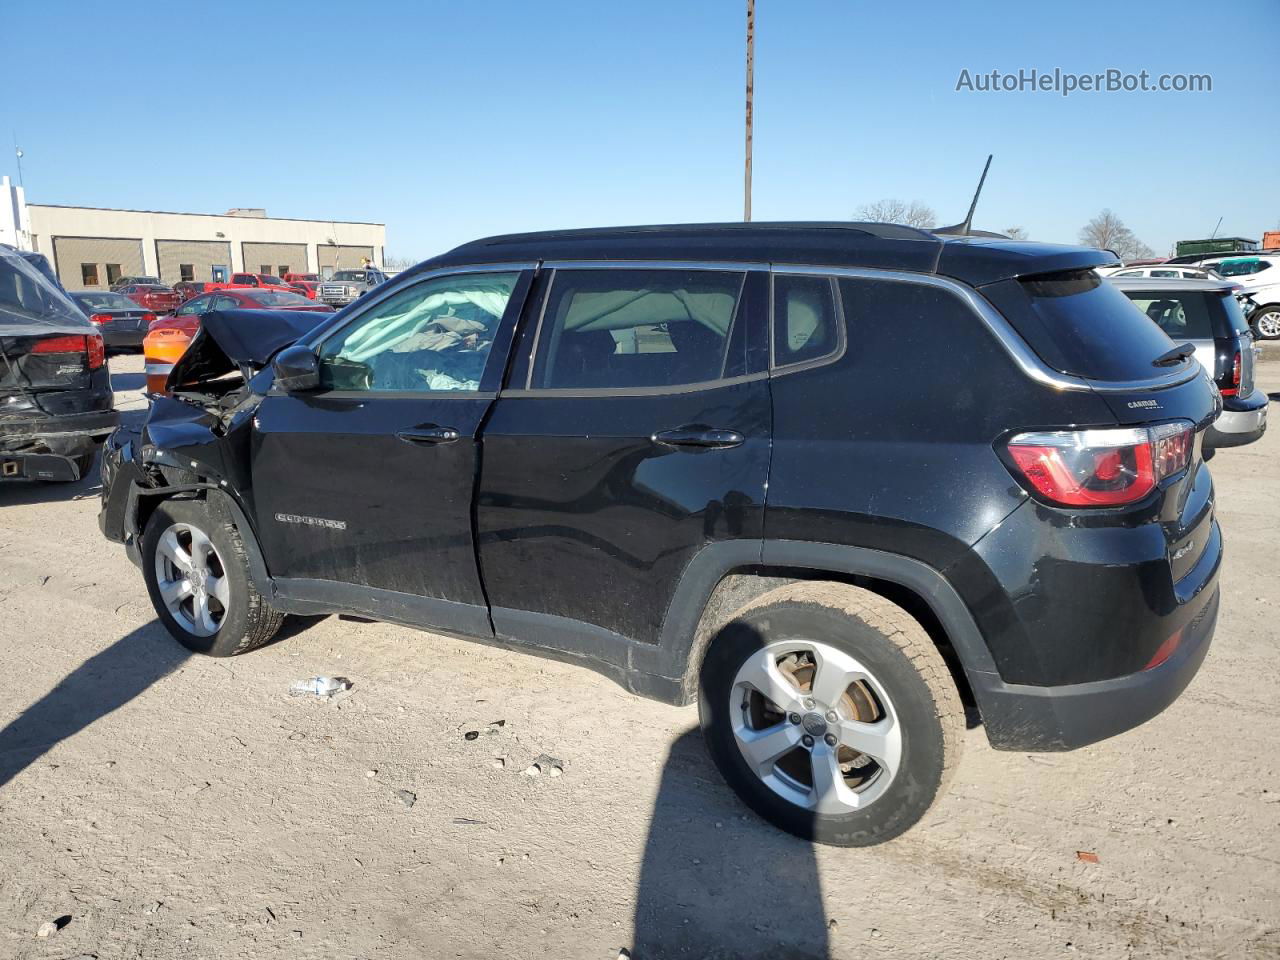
148, 318
97, 351
1236, 364
100, 318
91, 346
1101, 468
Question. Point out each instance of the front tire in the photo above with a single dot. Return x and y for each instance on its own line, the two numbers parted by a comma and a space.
830, 712
197, 574
1266, 322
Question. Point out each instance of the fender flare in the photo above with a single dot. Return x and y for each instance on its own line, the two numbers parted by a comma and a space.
222, 504
715, 561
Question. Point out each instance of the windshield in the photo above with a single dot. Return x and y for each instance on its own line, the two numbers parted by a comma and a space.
268, 278
273, 298
357, 276
95, 300
1237, 268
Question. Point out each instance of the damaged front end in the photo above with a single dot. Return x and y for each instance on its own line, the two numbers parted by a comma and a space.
196, 438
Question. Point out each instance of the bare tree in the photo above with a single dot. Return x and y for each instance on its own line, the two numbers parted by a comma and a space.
1106, 231
1017, 233
393, 262
913, 214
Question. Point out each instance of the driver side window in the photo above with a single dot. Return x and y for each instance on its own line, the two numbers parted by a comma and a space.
433, 336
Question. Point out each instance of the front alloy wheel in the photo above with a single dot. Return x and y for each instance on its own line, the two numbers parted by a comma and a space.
192, 579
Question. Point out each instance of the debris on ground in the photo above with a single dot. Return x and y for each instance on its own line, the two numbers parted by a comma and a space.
544, 763
499, 763
323, 687
468, 822
50, 927
154, 907
471, 735
371, 774
1086, 856
407, 797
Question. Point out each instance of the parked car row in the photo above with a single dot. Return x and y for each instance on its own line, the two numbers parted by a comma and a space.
1255, 280
344, 287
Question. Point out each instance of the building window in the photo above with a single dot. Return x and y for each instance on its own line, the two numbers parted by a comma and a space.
187, 271
89, 274
113, 273
283, 269
264, 268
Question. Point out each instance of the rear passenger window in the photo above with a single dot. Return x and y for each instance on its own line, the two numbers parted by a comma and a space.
805, 326
622, 329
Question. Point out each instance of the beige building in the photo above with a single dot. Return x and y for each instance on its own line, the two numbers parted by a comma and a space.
90, 247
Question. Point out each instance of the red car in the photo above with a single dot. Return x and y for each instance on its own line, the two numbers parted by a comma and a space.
187, 316
305, 283
252, 281
156, 297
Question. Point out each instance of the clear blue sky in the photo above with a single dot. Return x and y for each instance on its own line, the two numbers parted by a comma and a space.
451, 120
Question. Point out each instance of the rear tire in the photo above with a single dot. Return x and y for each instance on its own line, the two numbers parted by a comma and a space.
197, 574
852, 668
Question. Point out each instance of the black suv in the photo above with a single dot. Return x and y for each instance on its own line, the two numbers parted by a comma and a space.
832, 481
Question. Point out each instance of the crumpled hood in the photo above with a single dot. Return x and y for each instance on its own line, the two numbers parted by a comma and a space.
243, 340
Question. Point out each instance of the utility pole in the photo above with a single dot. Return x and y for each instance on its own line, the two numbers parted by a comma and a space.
751, 69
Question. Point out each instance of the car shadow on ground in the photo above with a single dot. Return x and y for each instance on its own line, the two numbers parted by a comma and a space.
716, 882
102, 684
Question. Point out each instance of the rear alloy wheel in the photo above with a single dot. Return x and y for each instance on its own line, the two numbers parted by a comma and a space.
198, 576
831, 713
1267, 323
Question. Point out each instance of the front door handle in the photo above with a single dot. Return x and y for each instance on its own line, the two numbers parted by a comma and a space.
429, 434
699, 436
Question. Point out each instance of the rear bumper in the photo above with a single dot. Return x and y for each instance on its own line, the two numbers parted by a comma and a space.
1242, 421
1022, 717
94, 424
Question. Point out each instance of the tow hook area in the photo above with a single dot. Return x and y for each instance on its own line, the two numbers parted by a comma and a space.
38, 466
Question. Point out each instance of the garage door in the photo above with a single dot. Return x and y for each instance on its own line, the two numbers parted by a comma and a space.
92, 263
342, 258
198, 257
276, 258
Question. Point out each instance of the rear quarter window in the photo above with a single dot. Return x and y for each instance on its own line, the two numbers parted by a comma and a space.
1182, 315
1080, 324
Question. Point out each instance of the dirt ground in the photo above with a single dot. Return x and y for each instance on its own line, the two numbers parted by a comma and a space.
157, 805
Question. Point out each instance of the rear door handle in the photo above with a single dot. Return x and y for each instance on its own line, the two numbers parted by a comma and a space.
701, 437
429, 434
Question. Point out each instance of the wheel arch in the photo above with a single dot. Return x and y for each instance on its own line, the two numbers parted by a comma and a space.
222, 504
723, 578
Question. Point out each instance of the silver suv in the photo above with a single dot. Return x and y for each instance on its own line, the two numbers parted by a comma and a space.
346, 286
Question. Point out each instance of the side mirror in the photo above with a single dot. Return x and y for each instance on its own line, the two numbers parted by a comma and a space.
297, 369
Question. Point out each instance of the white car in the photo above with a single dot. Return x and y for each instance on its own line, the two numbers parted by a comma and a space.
1160, 271
1259, 275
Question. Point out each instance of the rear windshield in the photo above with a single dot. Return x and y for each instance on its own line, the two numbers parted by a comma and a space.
95, 300
356, 275
1078, 323
1184, 315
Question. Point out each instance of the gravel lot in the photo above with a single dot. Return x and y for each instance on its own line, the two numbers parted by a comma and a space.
176, 807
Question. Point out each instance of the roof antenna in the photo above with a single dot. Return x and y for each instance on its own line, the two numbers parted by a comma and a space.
965, 228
